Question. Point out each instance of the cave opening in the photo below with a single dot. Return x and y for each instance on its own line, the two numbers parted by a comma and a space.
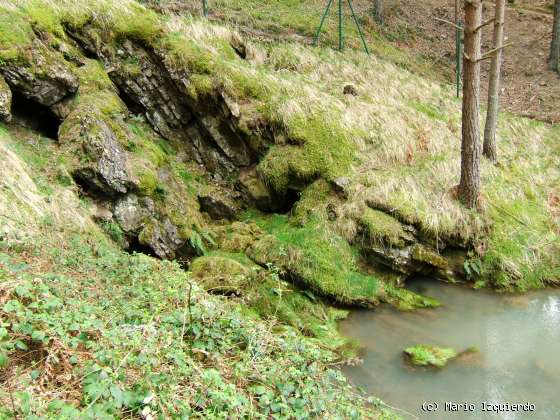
289, 201
34, 116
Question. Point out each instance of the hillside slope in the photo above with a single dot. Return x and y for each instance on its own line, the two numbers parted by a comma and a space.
282, 180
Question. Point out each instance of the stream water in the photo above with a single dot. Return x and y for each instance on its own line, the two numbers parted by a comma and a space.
518, 358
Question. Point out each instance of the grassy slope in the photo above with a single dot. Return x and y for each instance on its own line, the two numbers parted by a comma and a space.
86, 328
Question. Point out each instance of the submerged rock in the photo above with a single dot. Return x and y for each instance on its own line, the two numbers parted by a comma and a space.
5, 101
427, 355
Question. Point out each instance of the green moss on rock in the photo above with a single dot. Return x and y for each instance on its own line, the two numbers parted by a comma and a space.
422, 254
220, 274
406, 300
380, 228
316, 258
426, 355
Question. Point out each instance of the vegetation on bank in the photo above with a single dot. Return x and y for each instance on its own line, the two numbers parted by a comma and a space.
87, 329
370, 172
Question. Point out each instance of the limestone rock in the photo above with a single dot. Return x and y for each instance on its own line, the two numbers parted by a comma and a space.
103, 165
5, 101
341, 186
227, 140
218, 207
131, 212
254, 191
162, 237
46, 80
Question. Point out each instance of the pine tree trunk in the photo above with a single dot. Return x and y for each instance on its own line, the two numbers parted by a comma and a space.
555, 44
489, 148
469, 185
378, 11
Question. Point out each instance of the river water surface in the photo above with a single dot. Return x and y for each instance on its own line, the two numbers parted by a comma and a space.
518, 359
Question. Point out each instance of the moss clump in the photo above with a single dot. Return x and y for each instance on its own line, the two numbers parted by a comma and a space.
405, 300
325, 151
422, 254
220, 274
314, 203
317, 258
237, 237
426, 355
382, 229
270, 297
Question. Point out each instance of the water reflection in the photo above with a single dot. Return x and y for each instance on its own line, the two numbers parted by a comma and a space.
518, 338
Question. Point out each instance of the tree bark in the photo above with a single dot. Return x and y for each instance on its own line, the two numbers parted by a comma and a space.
469, 185
489, 148
378, 11
555, 44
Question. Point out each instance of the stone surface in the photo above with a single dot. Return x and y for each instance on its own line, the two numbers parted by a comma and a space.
218, 207
341, 186
46, 80
103, 166
5, 101
131, 212
162, 237
254, 191
350, 90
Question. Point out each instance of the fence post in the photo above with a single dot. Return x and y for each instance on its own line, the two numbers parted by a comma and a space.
205, 8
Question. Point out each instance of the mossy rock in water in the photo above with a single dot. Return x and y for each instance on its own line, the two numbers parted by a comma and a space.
426, 355
220, 274
406, 300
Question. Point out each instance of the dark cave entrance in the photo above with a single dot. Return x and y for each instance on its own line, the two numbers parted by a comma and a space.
34, 116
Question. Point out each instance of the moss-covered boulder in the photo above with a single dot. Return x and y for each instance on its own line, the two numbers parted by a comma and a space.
406, 300
316, 259
220, 274
101, 163
427, 355
382, 229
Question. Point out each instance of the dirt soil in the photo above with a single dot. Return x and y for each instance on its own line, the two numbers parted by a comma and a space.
529, 87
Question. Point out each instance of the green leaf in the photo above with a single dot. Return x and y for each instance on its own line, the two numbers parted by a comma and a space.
38, 335
258, 390
3, 333
3, 360
20, 345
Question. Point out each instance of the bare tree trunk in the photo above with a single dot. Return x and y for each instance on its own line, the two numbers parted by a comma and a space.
555, 44
378, 11
469, 185
489, 148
